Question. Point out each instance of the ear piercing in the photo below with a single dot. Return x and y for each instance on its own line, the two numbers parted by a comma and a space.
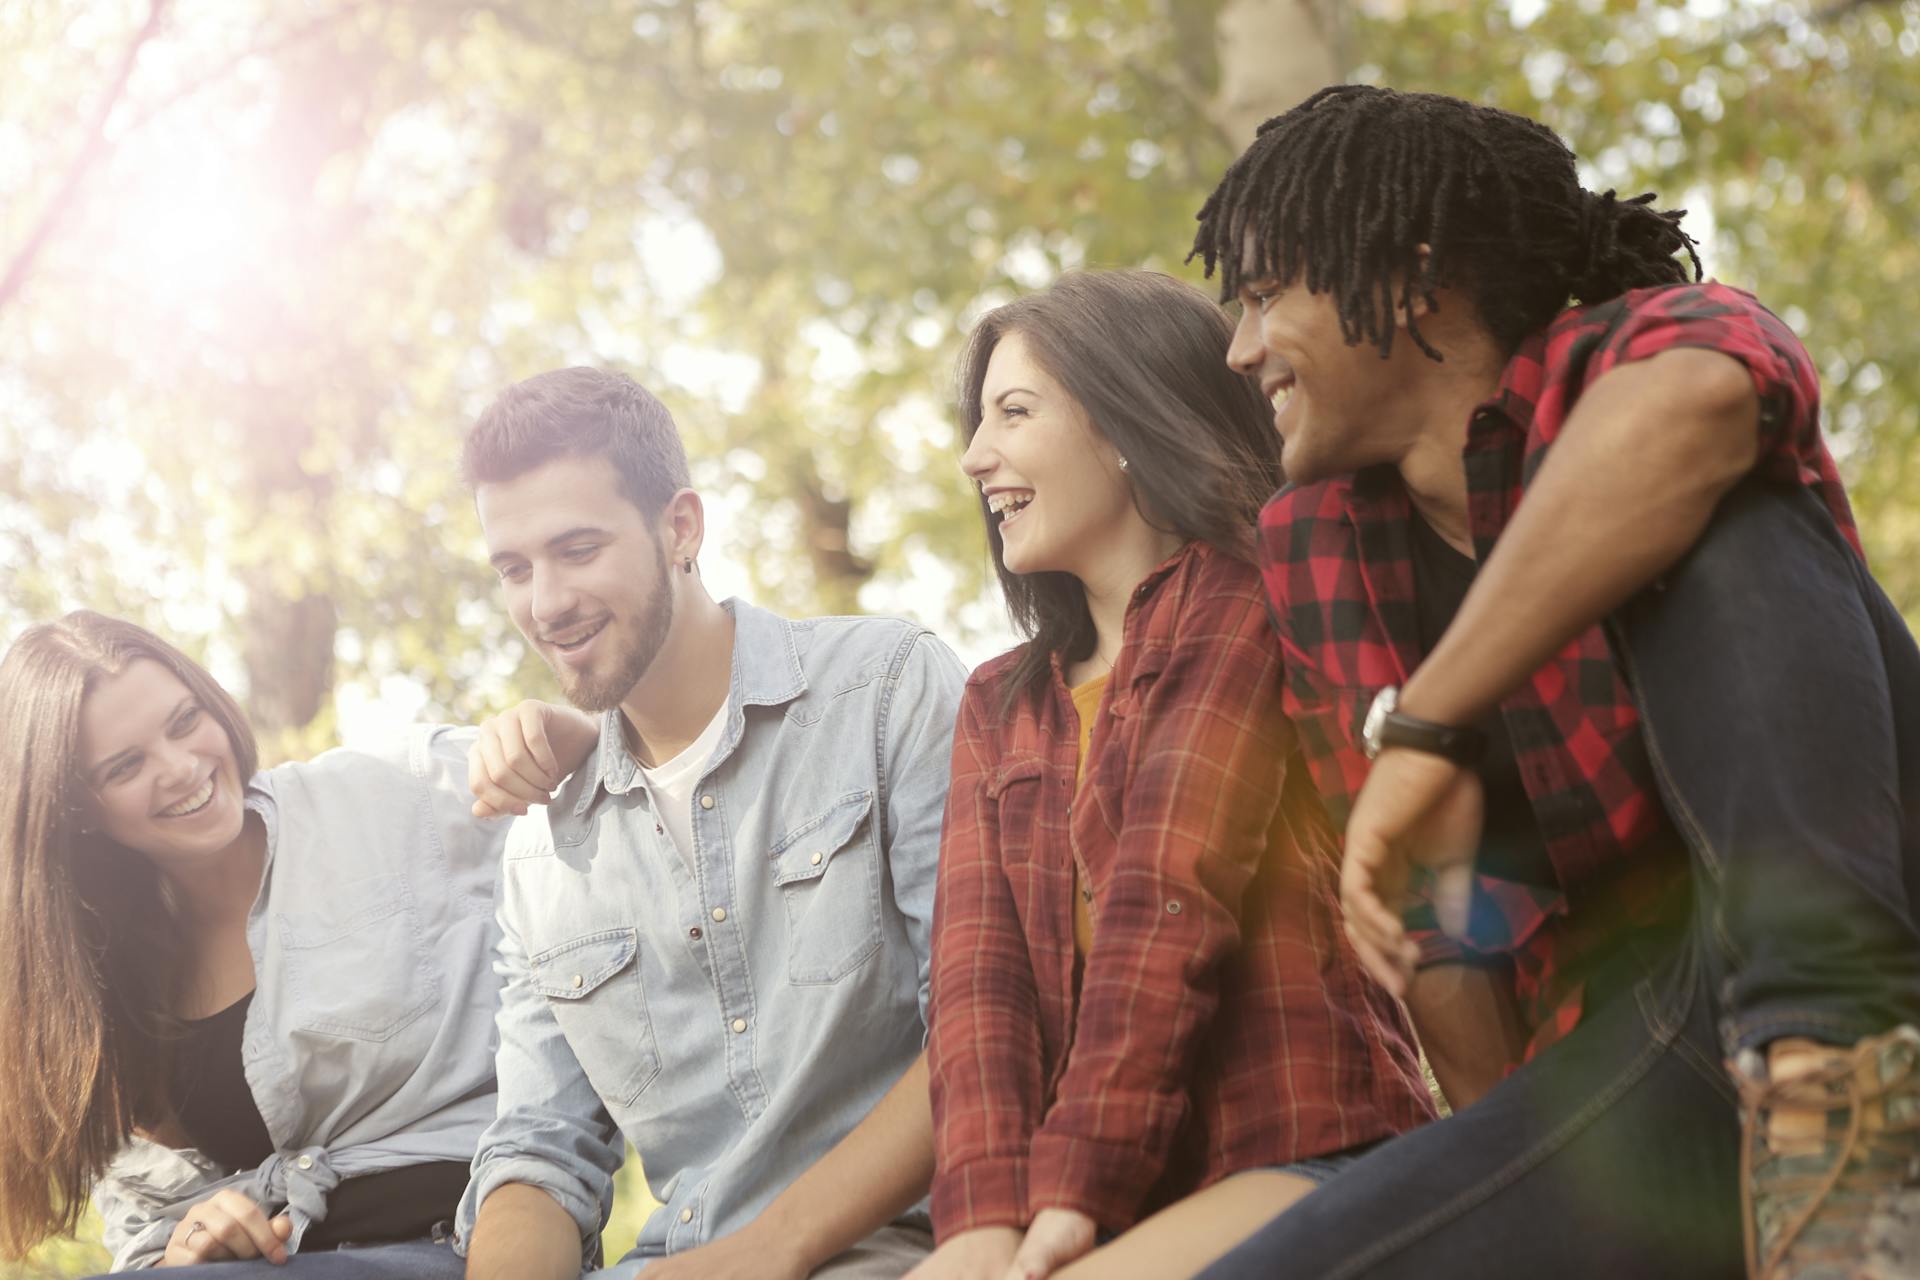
686, 565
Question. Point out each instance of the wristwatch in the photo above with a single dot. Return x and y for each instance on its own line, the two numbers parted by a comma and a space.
1387, 726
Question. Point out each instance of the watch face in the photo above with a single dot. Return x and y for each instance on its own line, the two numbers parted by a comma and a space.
1383, 702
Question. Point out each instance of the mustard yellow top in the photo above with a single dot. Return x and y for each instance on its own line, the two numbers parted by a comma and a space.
1086, 702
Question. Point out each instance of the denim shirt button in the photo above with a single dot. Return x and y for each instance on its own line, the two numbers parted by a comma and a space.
815, 860
694, 933
719, 915
706, 801
739, 1026
579, 981
304, 1162
686, 1215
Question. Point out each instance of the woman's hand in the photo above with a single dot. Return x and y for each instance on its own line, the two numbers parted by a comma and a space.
984, 1253
226, 1226
524, 753
1057, 1237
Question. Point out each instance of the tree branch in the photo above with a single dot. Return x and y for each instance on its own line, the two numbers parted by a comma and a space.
89, 153
200, 84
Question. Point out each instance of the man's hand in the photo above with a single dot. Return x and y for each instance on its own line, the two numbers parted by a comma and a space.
224, 1227
1057, 1237
747, 1254
984, 1253
1416, 809
524, 753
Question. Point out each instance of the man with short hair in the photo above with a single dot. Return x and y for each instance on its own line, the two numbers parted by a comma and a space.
1585, 658
715, 933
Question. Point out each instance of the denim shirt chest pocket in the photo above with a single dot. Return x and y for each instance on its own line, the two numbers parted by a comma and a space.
828, 871
355, 961
593, 985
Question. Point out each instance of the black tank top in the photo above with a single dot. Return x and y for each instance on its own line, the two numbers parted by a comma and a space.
214, 1105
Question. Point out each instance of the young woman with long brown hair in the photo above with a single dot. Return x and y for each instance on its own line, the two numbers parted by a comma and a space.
250, 1012
1142, 996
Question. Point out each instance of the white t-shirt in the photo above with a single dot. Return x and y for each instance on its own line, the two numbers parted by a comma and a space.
672, 783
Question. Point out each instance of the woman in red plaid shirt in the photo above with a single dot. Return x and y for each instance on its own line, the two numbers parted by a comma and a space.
1141, 991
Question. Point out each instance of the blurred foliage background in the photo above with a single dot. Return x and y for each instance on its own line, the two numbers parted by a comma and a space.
265, 260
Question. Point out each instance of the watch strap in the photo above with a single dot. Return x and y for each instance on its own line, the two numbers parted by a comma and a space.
1463, 745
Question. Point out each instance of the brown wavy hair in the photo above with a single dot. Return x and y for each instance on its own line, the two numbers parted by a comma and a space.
90, 946
1146, 357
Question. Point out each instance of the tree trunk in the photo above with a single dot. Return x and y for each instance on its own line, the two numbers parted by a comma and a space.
287, 646
1272, 54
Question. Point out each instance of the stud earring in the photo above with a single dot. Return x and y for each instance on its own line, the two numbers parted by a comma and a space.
1123, 462
686, 566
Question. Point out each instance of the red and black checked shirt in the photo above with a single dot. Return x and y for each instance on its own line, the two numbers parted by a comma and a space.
1221, 1022
1336, 560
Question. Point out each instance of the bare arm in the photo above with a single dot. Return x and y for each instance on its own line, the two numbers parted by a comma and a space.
1648, 452
870, 1178
1469, 1027
522, 1233
873, 1176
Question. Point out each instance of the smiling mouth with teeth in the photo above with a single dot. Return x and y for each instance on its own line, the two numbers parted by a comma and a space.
193, 804
1005, 505
568, 646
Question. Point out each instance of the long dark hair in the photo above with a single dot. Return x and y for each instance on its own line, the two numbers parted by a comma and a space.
1349, 184
90, 949
1146, 357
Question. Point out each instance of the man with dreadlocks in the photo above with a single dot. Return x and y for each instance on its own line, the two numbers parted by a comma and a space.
1582, 584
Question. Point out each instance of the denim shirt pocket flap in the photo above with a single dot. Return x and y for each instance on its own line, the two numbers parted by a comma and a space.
805, 852
1021, 768
574, 970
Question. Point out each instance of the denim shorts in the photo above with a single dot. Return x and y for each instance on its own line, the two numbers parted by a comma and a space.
1319, 1170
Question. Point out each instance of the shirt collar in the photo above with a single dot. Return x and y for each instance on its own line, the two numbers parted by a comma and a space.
766, 672
1137, 603
1522, 383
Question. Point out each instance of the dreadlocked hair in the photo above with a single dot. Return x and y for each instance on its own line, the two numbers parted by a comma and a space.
1349, 184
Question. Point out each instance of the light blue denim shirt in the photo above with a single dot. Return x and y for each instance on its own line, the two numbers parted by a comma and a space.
734, 1014
369, 1042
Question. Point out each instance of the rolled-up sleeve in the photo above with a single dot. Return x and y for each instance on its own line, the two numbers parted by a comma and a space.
1716, 317
551, 1131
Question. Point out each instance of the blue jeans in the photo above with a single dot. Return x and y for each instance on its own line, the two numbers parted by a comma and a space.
408, 1260
1780, 692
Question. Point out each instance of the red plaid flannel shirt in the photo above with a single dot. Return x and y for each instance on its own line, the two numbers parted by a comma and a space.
1222, 1022
1336, 560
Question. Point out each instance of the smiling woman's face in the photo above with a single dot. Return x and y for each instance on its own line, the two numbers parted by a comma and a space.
1052, 481
160, 768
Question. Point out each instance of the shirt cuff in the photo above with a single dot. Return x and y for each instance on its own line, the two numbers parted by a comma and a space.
989, 1192
147, 1248
1436, 948
1105, 1181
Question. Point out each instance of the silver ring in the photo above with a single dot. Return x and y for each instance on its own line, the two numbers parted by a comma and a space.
192, 1227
